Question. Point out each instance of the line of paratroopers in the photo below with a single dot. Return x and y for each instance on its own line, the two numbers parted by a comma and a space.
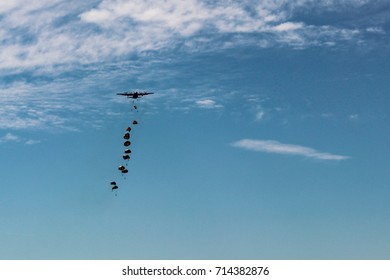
125, 156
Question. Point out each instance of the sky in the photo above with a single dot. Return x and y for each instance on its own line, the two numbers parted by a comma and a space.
267, 136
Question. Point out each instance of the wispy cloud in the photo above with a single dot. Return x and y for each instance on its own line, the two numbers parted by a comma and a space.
259, 115
58, 37
208, 104
32, 142
288, 26
9, 137
48, 33
26, 105
271, 146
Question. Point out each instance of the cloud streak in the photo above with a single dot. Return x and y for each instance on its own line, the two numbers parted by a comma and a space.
208, 104
275, 147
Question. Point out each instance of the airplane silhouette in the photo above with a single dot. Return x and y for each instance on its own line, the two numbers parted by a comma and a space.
134, 94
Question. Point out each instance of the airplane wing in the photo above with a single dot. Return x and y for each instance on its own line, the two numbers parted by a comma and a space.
135, 94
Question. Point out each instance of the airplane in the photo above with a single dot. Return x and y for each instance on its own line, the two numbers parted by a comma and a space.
134, 94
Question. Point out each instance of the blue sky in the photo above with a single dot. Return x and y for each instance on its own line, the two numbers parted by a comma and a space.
267, 136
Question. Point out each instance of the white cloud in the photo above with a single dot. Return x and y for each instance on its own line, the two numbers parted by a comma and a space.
32, 142
46, 33
208, 104
271, 146
96, 16
9, 137
288, 26
378, 30
259, 115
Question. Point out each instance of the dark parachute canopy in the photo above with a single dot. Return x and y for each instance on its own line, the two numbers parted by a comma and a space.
114, 186
127, 143
122, 169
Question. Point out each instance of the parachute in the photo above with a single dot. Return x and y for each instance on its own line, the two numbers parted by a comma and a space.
113, 186
127, 143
